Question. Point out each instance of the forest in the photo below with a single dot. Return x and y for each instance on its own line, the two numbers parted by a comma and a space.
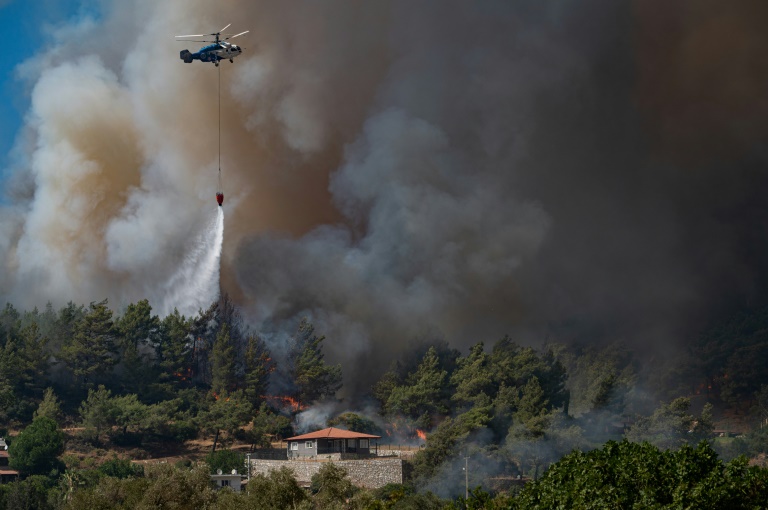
87, 378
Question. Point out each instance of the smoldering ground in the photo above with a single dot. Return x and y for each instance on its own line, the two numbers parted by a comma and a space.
398, 170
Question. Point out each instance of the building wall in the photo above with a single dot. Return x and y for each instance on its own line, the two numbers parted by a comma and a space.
234, 482
320, 449
371, 474
303, 451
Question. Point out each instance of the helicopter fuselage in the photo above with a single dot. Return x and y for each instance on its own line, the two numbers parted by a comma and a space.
212, 53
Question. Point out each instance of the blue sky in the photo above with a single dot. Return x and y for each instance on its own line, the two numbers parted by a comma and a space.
24, 26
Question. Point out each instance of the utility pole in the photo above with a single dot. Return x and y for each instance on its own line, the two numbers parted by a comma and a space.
466, 482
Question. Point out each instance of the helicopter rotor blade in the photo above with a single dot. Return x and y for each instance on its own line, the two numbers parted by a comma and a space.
237, 35
196, 40
223, 29
192, 35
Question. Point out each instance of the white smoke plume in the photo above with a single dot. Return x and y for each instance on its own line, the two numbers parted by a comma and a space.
398, 170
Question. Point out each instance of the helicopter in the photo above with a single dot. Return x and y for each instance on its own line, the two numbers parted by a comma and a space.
219, 50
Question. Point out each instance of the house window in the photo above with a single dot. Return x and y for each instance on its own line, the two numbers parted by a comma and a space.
350, 443
294, 446
308, 444
225, 483
363, 443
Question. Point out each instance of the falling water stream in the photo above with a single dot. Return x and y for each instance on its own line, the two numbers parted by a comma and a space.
195, 284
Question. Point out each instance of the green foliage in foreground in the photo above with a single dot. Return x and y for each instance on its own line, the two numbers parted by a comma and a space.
35, 450
618, 475
632, 475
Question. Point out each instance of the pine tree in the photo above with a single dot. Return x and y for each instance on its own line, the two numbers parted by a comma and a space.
473, 376
175, 350
313, 377
423, 394
90, 353
223, 378
258, 366
49, 407
138, 331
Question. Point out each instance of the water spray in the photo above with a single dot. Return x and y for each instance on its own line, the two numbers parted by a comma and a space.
195, 285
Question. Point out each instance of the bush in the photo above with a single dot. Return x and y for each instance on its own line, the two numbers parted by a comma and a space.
121, 468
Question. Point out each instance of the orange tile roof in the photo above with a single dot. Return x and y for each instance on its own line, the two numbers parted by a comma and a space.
3, 453
8, 472
333, 433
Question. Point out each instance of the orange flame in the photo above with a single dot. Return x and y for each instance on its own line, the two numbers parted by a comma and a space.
422, 435
286, 401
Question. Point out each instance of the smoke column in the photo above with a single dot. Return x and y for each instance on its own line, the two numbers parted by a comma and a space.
195, 285
399, 170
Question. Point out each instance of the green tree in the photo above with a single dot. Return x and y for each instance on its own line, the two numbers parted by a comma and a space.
450, 438
203, 329
473, 376
423, 394
383, 389
9, 319
228, 412
34, 360
532, 406
60, 327
127, 412
268, 425
355, 422
98, 413
671, 425
331, 486
138, 331
162, 486
90, 353
258, 367
532, 447
23, 370
175, 351
632, 475
513, 366
50, 406
223, 370
36, 449
277, 489
225, 460
31, 493
121, 468
312, 376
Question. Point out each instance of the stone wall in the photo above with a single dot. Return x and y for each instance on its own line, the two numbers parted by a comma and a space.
372, 473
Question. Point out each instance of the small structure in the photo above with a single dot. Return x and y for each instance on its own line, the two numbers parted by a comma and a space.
6, 473
332, 443
232, 480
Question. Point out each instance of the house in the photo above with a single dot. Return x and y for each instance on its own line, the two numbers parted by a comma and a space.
332, 443
232, 480
6, 473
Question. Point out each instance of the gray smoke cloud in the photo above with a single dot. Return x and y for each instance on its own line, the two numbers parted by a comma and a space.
404, 170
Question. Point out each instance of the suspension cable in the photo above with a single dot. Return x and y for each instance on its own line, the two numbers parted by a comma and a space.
219, 71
